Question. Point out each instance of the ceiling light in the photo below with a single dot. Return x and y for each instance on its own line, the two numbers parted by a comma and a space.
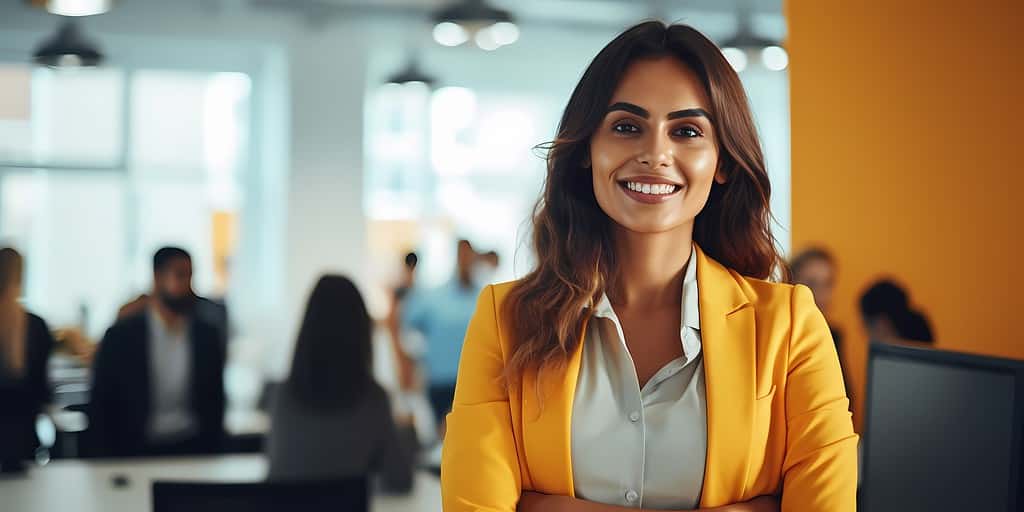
74, 7
67, 48
488, 26
485, 40
504, 33
450, 34
737, 58
747, 47
775, 58
411, 74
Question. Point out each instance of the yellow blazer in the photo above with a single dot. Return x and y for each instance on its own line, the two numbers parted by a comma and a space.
778, 415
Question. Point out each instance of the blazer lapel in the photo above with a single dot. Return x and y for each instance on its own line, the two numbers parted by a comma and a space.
143, 386
547, 425
727, 336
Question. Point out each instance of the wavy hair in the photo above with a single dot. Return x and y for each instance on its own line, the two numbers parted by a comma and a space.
572, 235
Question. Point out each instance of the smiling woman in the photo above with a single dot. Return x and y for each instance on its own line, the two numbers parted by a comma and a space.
646, 362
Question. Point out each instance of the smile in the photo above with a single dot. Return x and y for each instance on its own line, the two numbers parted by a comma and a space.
649, 193
657, 189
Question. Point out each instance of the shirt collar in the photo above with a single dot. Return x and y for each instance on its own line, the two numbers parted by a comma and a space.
160, 328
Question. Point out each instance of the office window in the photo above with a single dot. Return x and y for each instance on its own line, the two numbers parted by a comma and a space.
111, 187
45, 122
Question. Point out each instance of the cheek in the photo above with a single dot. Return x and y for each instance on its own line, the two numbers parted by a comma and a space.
699, 166
699, 170
607, 155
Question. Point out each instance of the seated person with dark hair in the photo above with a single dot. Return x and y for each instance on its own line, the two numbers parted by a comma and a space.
331, 419
888, 316
157, 384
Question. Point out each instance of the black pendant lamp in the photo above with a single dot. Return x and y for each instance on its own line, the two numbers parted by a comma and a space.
68, 48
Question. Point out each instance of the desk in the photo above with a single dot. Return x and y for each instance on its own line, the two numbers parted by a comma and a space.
86, 485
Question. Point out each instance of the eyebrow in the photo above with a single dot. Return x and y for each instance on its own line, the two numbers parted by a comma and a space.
640, 111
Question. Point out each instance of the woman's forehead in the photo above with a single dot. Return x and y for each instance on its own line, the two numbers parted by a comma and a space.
661, 85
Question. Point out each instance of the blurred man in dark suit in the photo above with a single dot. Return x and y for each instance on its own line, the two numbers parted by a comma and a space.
157, 384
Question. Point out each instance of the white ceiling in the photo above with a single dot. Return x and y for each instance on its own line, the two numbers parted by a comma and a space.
717, 18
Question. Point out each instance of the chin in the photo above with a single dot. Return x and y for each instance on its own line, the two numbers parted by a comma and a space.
649, 226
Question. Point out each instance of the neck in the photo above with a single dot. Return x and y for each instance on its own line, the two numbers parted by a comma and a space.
650, 267
169, 318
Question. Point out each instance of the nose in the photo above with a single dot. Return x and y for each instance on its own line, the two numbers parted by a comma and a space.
658, 153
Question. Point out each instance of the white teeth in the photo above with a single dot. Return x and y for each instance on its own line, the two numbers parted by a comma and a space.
651, 189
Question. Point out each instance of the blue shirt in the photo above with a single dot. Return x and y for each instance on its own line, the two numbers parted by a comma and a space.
441, 315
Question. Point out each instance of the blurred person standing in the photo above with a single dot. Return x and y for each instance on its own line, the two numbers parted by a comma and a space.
888, 317
157, 384
442, 315
815, 268
486, 270
405, 365
25, 346
331, 419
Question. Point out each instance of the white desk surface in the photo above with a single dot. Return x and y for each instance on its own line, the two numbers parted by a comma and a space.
87, 485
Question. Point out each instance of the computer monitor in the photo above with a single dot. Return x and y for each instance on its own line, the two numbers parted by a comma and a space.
942, 432
348, 495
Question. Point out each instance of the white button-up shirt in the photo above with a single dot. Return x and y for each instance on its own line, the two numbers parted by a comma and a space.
638, 447
170, 368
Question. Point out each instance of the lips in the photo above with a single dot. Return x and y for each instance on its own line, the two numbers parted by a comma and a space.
649, 189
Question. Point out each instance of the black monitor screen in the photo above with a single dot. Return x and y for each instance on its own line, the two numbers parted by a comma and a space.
940, 432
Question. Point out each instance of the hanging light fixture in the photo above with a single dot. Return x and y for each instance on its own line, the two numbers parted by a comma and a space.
411, 74
67, 48
489, 27
746, 47
74, 7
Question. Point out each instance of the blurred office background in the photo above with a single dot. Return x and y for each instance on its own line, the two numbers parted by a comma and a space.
278, 140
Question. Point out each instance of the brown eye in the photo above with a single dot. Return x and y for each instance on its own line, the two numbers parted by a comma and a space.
626, 128
688, 132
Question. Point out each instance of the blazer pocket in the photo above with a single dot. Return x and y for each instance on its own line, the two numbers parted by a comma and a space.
763, 449
762, 421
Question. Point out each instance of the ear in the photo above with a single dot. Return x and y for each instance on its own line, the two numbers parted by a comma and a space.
720, 177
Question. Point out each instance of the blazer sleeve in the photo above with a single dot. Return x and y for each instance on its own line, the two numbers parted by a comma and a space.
42, 347
102, 401
479, 463
820, 466
213, 414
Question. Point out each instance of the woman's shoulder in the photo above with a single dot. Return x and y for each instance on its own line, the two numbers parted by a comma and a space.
768, 296
500, 290
35, 321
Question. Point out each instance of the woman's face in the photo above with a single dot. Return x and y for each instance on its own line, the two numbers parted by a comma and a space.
655, 154
818, 275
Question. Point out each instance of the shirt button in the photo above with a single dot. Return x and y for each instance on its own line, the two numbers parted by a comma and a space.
631, 495
634, 416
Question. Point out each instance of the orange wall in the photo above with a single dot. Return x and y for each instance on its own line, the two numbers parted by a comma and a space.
907, 132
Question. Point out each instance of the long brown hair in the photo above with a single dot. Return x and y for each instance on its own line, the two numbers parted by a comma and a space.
572, 235
332, 365
13, 318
